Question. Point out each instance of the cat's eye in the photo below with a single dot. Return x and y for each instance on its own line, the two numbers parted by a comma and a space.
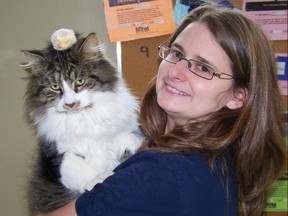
80, 82
55, 87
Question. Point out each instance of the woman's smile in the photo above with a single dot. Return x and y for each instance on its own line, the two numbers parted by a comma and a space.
175, 91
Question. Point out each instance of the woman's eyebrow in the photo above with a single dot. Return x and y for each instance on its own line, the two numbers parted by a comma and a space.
178, 46
201, 59
205, 61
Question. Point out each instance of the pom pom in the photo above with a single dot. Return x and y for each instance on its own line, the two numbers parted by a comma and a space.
63, 39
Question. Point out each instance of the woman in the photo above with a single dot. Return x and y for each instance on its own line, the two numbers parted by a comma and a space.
212, 119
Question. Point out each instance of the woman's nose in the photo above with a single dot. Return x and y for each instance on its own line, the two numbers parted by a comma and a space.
178, 71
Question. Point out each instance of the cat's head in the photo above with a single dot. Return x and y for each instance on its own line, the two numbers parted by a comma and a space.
66, 79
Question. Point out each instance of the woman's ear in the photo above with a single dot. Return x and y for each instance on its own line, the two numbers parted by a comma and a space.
238, 100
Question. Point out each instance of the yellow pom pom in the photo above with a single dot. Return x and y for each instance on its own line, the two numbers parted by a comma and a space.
63, 39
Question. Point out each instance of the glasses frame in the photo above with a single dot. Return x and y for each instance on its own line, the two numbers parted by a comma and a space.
190, 61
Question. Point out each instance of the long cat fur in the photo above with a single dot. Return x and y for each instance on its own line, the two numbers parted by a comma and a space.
83, 130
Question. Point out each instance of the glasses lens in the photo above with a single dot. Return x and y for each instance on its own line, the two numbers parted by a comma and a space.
169, 54
201, 69
163, 52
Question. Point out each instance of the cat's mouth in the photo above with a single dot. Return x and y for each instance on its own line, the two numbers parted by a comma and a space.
74, 110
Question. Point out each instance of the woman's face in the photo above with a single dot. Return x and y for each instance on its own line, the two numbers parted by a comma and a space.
185, 96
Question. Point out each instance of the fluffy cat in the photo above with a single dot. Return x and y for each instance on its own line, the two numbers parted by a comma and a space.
85, 119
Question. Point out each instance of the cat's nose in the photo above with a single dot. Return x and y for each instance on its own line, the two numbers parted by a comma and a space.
71, 105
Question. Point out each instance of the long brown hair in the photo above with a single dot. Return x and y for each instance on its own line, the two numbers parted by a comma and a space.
255, 130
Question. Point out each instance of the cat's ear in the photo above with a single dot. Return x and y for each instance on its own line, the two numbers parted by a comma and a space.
33, 59
90, 47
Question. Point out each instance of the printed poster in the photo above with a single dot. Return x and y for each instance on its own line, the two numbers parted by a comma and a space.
270, 15
278, 201
282, 72
135, 19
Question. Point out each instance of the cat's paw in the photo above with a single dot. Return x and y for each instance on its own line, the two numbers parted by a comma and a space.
128, 142
98, 179
76, 174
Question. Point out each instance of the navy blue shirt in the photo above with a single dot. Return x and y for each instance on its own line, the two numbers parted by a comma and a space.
151, 183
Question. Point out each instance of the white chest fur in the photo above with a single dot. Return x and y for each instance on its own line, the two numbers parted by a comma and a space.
92, 137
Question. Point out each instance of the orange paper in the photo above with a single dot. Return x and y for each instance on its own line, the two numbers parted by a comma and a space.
135, 19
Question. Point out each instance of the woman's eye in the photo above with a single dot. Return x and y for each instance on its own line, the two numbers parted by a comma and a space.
55, 87
203, 68
80, 82
176, 54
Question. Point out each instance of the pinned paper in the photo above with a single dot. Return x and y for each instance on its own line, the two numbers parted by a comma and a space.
135, 19
270, 15
282, 72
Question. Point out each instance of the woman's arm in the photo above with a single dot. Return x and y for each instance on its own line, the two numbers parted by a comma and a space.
67, 210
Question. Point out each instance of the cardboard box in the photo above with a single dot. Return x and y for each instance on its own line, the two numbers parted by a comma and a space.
140, 62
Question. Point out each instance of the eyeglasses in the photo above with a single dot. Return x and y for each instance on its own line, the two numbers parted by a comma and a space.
198, 68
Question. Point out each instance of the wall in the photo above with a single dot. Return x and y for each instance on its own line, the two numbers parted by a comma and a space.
28, 25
